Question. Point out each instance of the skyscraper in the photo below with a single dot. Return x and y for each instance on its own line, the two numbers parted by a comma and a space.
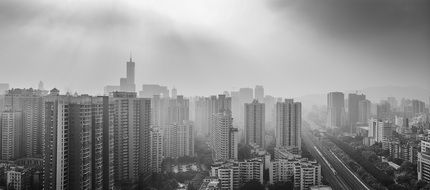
75, 152
178, 140
174, 93
202, 115
11, 135
423, 161
132, 118
353, 100
259, 93
393, 102
270, 109
246, 95
254, 123
383, 111
126, 84
418, 107
149, 90
178, 110
335, 110
224, 137
159, 110
235, 105
29, 102
216, 106
288, 125
364, 111
156, 149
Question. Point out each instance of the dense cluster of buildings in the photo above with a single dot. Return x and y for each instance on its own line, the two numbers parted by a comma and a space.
401, 128
117, 141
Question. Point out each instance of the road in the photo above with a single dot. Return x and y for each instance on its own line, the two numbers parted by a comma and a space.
342, 178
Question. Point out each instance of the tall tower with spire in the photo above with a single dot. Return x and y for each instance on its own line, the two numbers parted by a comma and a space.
127, 84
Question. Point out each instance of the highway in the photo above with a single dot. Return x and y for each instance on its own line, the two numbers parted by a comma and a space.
333, 169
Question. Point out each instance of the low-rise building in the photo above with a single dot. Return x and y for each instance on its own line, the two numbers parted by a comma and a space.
302, 172
210, 183
233, 174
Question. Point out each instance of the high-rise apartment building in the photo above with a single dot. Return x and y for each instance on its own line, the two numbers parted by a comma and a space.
132, 119
246, 95
259, 93
233, 174
156, 149
150, 90
254, 123
393, 102
301, 172
353, 110
380, 130
251, 170
335, 110
423, 161
418, 107
178, 110
29, 102
364, 111
235, 105
383, 111
224, 138
174, 93
289, 124
76, 153
178, 140
228, 175
159, 110
206, 108
202, 117
11, 135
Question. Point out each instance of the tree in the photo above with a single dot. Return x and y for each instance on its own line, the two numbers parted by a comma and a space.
282, 186
396, 187
252, 185
244, 152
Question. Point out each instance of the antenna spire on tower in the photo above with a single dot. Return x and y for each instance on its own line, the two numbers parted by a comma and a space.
131, 57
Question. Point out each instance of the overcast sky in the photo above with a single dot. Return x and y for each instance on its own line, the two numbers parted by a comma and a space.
202, 47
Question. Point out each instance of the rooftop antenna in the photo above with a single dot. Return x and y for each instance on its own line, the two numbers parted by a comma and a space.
131, 57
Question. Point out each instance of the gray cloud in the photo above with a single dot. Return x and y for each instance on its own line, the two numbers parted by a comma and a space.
361, 18
291, 47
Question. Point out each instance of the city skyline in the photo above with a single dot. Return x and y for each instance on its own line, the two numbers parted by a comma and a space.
215, 94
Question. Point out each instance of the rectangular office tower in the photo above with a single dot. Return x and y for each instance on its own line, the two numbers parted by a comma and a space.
132, 119
77, 143
254, 123
288, 125
335, 110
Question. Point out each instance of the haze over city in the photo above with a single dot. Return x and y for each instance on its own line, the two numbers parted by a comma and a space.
291, 47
